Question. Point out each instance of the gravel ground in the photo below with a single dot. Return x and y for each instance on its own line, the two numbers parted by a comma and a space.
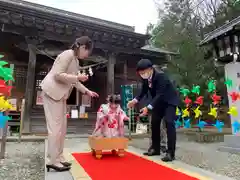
24, 161
204, 156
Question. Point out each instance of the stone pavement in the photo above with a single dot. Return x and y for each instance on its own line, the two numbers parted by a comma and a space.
203, 155
78, 173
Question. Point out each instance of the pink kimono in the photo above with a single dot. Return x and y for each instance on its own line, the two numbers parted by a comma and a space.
110, 123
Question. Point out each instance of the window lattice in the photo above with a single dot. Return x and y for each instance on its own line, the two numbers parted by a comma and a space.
20, 74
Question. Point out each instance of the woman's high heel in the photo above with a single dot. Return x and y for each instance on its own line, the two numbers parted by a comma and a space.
56, 168
67, 164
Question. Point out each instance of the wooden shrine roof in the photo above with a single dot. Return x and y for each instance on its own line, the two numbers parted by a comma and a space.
220, 31
46, 10
29, 19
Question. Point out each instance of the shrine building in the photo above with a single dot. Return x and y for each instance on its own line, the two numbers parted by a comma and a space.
32, 35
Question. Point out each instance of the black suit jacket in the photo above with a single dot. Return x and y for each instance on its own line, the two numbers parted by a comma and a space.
162, 91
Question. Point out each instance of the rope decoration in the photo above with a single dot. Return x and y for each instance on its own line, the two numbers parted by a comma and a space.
82, 69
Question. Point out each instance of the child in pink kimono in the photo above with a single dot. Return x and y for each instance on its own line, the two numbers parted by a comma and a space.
110, 119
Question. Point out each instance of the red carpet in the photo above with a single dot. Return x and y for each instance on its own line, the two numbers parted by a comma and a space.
130, 167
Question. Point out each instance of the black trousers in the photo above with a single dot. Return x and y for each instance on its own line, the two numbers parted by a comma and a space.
168, 114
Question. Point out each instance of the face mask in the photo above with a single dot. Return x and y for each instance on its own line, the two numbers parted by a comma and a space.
145, 75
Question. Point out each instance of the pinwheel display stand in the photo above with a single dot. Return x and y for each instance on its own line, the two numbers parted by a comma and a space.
232, 142
116, 145
4, 121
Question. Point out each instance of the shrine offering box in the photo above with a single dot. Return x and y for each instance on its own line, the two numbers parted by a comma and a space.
100, 144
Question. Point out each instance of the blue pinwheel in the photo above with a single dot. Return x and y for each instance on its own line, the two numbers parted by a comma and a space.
3, 120
201, 124
236, 127
187, 123
178, 123
219, 125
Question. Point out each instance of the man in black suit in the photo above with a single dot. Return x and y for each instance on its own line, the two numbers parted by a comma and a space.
163, 105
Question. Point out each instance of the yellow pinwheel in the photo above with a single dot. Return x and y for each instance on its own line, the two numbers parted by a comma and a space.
178, 111
213, 112
233, 111
7, 105
185, 113
197, 112
2, 102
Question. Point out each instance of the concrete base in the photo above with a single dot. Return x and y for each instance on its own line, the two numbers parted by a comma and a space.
231, 144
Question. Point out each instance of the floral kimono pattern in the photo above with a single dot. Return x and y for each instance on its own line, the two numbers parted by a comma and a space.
110, 123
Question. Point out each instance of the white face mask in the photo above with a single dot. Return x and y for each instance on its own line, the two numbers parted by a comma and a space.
145, 75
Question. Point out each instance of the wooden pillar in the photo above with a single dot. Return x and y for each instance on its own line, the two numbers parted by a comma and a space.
110, 73
29, 91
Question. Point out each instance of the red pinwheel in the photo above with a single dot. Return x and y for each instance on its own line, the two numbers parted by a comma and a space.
187, 101
4, 89
234, 96
199, 100
216, 99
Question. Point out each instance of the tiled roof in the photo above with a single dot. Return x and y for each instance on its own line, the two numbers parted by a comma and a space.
65, 14
220, 31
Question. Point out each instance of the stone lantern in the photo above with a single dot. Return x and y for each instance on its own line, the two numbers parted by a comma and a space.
225, 43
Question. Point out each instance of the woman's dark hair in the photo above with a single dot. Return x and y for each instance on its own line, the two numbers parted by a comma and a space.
116, 99
83, 41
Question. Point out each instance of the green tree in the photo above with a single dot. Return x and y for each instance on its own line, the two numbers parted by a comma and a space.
179, 30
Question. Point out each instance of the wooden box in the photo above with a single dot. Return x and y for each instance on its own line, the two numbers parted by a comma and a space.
100, 144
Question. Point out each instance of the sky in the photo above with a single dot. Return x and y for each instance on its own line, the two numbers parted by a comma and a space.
137, 13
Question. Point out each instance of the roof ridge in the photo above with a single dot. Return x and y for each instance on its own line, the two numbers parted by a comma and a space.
224, 25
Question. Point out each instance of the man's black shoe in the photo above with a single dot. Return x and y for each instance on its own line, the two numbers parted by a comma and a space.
168, 158
152, 152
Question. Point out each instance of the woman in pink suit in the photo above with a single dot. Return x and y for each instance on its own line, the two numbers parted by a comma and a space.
57, 87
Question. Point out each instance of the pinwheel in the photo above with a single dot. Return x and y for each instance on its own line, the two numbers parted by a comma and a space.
199, 100
233, 111
216, 99
187, 123
185, 113
178, 111
228, 83
234, 96
201, 124
211, 86
187, 101
219, 125
213, 112
197, 112
178, 123
236, 127
184, 91
196, 89
3, 120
